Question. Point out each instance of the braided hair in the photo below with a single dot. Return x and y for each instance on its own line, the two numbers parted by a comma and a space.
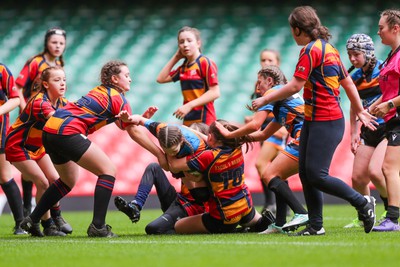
275, 73
109, 69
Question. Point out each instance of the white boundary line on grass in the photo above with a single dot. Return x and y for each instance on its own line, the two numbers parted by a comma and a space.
264, 243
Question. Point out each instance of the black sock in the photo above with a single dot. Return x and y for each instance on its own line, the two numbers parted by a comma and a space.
102, 195
385, 202
281, 211
283, 190
393, 214
55, 211
27, 193
13, 195
47, 223
51, 196
269, 196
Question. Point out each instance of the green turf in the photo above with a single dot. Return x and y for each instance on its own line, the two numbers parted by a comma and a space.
339, 247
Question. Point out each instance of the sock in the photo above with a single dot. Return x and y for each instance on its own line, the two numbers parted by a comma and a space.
47, 223
27, 193
102, 195
385, 202
55, 211
281, 211
142, 194
283, 190
393, 214
269, 195
261, 225
51, 196
13, 195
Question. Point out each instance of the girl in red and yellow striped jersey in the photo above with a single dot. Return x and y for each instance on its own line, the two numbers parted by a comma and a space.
28, 83
320, 71
25, 150
288, 113
198, 77
222, 168
9, 100
65, 140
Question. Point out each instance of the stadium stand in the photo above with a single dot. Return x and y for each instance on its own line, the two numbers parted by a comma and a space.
143, 33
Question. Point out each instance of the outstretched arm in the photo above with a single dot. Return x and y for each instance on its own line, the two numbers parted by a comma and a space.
291, 88
271, 128
139, 135
248, 128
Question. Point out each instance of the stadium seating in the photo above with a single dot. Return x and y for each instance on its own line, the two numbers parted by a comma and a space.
144, 34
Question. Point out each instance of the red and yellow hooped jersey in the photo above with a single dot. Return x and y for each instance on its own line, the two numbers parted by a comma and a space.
7, 91
24, 137
195, 79
88, 114
223, 169
29, 77
320, 65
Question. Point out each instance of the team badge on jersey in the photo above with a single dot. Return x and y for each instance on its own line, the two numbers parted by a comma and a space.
301, 68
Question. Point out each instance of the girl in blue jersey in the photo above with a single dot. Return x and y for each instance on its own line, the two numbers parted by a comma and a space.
270, 147
368, 146
288, 113
198, 76
320, 73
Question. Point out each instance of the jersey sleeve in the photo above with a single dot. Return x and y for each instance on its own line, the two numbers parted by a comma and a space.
153, 126
209, 71
42, 109
175, 74
307, 61
8, 83
200, 161
28, 72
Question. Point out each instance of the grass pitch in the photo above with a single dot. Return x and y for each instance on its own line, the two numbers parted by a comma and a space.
339, 247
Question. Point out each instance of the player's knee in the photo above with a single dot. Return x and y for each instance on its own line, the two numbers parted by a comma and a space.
162, 225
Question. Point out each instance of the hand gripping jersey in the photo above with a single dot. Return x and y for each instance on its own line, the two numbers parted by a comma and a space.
88, 114
24, 137
196, 78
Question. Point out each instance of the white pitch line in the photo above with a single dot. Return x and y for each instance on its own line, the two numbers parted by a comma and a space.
258, 243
